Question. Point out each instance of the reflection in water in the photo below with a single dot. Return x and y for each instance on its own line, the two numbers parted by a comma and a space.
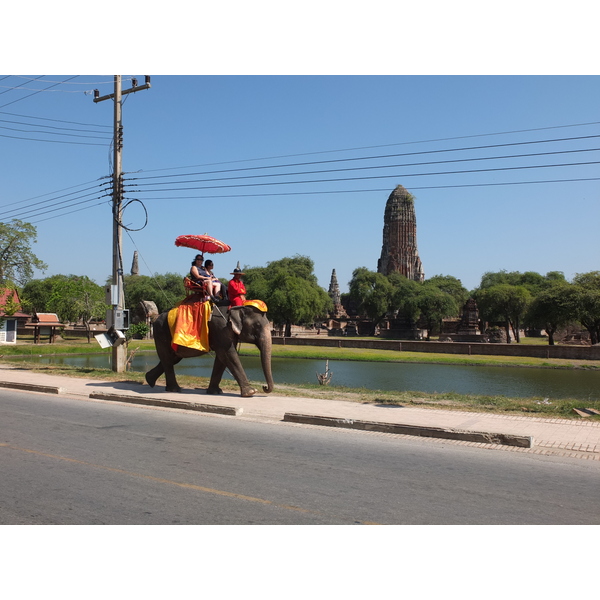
504, 381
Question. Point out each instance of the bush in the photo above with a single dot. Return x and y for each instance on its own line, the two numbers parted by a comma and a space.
138, 331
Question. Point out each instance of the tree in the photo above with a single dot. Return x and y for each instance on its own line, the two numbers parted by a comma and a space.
290, 289
452, 286
78, 297
504, 302
17, 260
164, 290
37, 292
373, 293
531, 280
405, 296
554, 307
587, 286
435, 305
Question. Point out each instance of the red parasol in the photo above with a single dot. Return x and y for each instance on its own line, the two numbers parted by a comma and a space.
203, 243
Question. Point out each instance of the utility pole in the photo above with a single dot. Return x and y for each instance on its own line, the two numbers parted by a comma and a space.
118, 317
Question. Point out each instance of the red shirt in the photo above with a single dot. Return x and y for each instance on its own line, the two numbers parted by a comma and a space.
235, 289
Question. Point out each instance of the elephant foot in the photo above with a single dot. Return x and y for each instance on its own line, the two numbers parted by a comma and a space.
173, 388
248, 393
214, 391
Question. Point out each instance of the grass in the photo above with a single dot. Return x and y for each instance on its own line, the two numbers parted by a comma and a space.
450, 401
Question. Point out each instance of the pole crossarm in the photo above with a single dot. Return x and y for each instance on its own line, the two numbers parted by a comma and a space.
137, 88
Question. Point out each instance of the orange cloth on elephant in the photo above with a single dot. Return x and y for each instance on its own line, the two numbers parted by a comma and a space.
257, 304
188, 323
235, 290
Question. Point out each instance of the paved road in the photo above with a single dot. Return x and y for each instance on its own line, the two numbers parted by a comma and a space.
68, 461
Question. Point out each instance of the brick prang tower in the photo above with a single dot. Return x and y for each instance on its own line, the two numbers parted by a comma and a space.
399, 250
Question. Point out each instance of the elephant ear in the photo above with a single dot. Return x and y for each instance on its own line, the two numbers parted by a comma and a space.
236, 319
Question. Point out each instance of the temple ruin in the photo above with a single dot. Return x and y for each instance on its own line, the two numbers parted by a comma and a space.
399, 250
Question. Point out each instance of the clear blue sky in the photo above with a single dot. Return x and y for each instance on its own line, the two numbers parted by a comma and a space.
187, 126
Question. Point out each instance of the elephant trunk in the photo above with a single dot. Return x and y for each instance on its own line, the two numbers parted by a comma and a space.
264, 346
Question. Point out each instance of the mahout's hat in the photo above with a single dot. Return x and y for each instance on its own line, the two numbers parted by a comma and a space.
237, 270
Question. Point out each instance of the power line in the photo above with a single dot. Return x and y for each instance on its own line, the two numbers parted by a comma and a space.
462, 137
3, 112
34, 93
68, 213
51, 126
371, 167
51, 200
17, 137
395, 176
18, 87
71, 83
96, 137
6, 91
58, 191
361, 158
321, 192
38, 212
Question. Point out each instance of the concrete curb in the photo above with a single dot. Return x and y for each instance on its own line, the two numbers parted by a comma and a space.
29, 387
208, 408
416, 430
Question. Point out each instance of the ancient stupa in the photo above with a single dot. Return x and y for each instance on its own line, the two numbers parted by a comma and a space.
399, 250
336, 297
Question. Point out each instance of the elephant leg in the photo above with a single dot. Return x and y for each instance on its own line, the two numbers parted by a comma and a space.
171, 384
153, 374
215, 378
169, 372
231, 360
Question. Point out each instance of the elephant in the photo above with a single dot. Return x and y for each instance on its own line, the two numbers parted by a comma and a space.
225, 329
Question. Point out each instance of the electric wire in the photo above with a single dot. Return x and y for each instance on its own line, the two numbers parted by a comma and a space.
361, 158
10, 88
68, 213
3, 112
371, 177
96, 137
52, 127
56, 191
16, 137
108, 82
461, 137
61, 209
39, 91
372, 167
371, 190
6, 91
38, 212
24, 209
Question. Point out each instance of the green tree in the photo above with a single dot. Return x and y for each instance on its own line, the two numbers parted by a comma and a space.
291, 291
587, 286
78, 297
373, 294
451, 286
405, 296
435, 305
534, 282
504, 302
553, 308
37, 292
164, 290
17, 260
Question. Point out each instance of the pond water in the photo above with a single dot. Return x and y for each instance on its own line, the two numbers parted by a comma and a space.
505, 381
